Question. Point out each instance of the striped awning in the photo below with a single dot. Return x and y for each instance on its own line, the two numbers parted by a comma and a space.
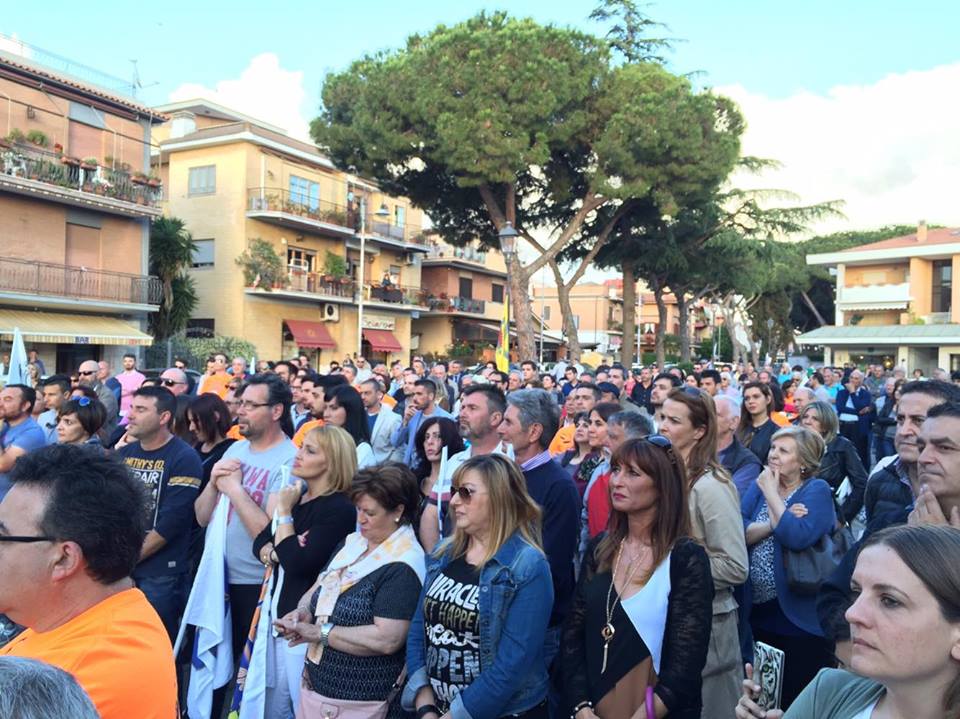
64, 328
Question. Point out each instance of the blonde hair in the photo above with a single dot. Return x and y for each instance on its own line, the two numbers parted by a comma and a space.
511, 508
810, 448
341, 453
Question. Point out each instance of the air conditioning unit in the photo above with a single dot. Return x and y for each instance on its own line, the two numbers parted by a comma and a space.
330, 312
411, 258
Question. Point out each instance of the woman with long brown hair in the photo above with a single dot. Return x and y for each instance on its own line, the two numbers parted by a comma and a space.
689, 421
636, 640
756, 426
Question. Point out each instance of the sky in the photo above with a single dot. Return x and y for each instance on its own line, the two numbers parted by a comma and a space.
857, 99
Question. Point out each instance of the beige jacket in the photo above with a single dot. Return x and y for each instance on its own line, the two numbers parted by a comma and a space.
716, 524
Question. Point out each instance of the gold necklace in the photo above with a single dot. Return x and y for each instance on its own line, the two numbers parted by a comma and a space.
608, 630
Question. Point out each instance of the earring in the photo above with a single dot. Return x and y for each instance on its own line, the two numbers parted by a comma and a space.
397, 520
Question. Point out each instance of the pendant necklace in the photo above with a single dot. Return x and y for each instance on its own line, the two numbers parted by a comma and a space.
608, 631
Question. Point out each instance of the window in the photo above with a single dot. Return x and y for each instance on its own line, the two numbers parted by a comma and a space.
546, 313
466, 288
202, 181
576, 321
202, 253
200, 328
399, 215
299, 259
304, 192
496, 293
942, 285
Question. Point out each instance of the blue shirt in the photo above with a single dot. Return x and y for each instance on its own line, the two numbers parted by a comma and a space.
28, 436
371, 421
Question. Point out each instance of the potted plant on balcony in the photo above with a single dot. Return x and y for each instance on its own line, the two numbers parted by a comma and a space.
58, 148
262, 266
71, 161
89, 163
38, 138
334, 267
139, 178
153, 181
16, 136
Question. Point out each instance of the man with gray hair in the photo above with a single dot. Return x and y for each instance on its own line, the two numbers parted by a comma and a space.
30, 689
529, 422
802, 396
742, 464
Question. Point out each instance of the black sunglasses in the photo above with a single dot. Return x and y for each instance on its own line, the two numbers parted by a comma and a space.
25, 540
86, 374
169, 382
658, 440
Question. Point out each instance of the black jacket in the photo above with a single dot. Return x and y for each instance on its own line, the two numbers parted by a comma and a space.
640, 395
840, 461
886, 492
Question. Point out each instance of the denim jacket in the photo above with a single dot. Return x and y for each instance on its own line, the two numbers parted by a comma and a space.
516, 595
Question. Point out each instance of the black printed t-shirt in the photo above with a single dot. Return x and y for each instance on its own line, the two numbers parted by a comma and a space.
452, 625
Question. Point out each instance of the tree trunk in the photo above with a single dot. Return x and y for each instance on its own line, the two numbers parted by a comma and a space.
661, 325
570, 331
813, 308
627, 346
521, 311
683, 313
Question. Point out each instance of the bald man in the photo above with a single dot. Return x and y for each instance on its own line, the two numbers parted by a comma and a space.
175, 380
87, 375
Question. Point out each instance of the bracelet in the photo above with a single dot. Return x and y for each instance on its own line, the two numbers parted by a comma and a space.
651, 706
578, 707
427, 709
284, 520
325, 630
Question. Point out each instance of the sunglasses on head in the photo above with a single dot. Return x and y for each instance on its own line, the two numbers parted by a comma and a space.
83, 401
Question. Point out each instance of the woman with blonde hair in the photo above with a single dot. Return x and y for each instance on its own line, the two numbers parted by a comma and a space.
314, 516
689, 421
635, 642
476, 643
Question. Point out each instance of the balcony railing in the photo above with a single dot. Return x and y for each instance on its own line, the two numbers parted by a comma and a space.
274, 199
395, 295
873, 296
315, 283
388, 228
457, 304
43, 278
470, 254
32, 163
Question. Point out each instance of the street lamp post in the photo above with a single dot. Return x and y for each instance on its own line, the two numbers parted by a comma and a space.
508, 246
382, 212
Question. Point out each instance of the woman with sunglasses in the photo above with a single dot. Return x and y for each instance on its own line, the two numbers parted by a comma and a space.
79, 420
787, 508
478, 650
756, 427
635, 642
345, 409
689, 421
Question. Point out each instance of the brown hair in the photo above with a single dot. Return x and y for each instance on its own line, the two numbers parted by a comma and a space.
932, 553
211, 416
703, 415
512, 509
746, 421
672, 519
389, 484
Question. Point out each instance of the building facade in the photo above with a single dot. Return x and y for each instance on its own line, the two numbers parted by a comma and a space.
896, 302
76, 202
236, 181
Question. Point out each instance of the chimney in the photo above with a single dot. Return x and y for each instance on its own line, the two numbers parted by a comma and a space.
921, 232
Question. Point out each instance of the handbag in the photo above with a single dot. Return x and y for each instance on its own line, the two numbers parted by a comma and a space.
316, 706
806, 569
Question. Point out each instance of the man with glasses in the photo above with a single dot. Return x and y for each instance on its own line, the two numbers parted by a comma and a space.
170, 471
249, 475
175, 380
88, 375
130, 380
71, 532
20, 434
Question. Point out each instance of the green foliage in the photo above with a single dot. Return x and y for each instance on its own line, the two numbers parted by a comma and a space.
171, 254
38, 138
195, 350
16, 135
334, 264
628, 34
262, 266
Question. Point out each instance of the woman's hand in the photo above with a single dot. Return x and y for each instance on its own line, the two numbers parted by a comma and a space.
769, 480
296, 631
747, 708
798, 510
289, 496
586, 713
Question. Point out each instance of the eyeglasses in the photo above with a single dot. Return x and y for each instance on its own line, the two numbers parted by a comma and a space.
25, 540
465, 493
170, 382
86, 374
248, 405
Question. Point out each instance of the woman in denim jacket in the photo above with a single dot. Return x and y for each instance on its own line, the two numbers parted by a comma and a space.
475, 649
787, 509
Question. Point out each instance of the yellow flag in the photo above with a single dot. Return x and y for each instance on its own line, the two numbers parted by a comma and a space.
503, 342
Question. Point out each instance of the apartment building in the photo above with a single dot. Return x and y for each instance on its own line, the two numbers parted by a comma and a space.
896, 302
76, 202
240, 184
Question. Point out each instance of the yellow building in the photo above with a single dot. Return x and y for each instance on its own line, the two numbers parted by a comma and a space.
233, 180
75, 211
896, 302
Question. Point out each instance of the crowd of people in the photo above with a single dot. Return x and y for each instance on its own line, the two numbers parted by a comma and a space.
437, 541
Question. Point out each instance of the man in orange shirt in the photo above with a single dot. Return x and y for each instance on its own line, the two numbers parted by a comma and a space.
71, 530
217, 382
585, 396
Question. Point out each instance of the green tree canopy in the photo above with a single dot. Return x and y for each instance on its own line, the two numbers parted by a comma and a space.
171, 254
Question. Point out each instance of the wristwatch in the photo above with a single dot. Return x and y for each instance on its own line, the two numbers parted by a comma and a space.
325, 630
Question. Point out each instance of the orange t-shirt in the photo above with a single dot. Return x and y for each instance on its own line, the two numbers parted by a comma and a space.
118, 651
234, 433
215, 384
304, 428
389, 401
563, 440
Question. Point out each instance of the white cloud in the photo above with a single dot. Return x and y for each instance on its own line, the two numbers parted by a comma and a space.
264, 90
890, 150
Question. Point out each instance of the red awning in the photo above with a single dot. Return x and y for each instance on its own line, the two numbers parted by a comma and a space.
382, 341
310, 335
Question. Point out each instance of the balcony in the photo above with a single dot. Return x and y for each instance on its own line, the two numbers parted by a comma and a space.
303, 285
294, 210
412, 297
404, 235
874, 297
31, 171
465, 305
444, 252
66, 286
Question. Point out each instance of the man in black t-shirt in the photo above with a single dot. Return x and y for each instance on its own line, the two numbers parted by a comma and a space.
170, 470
